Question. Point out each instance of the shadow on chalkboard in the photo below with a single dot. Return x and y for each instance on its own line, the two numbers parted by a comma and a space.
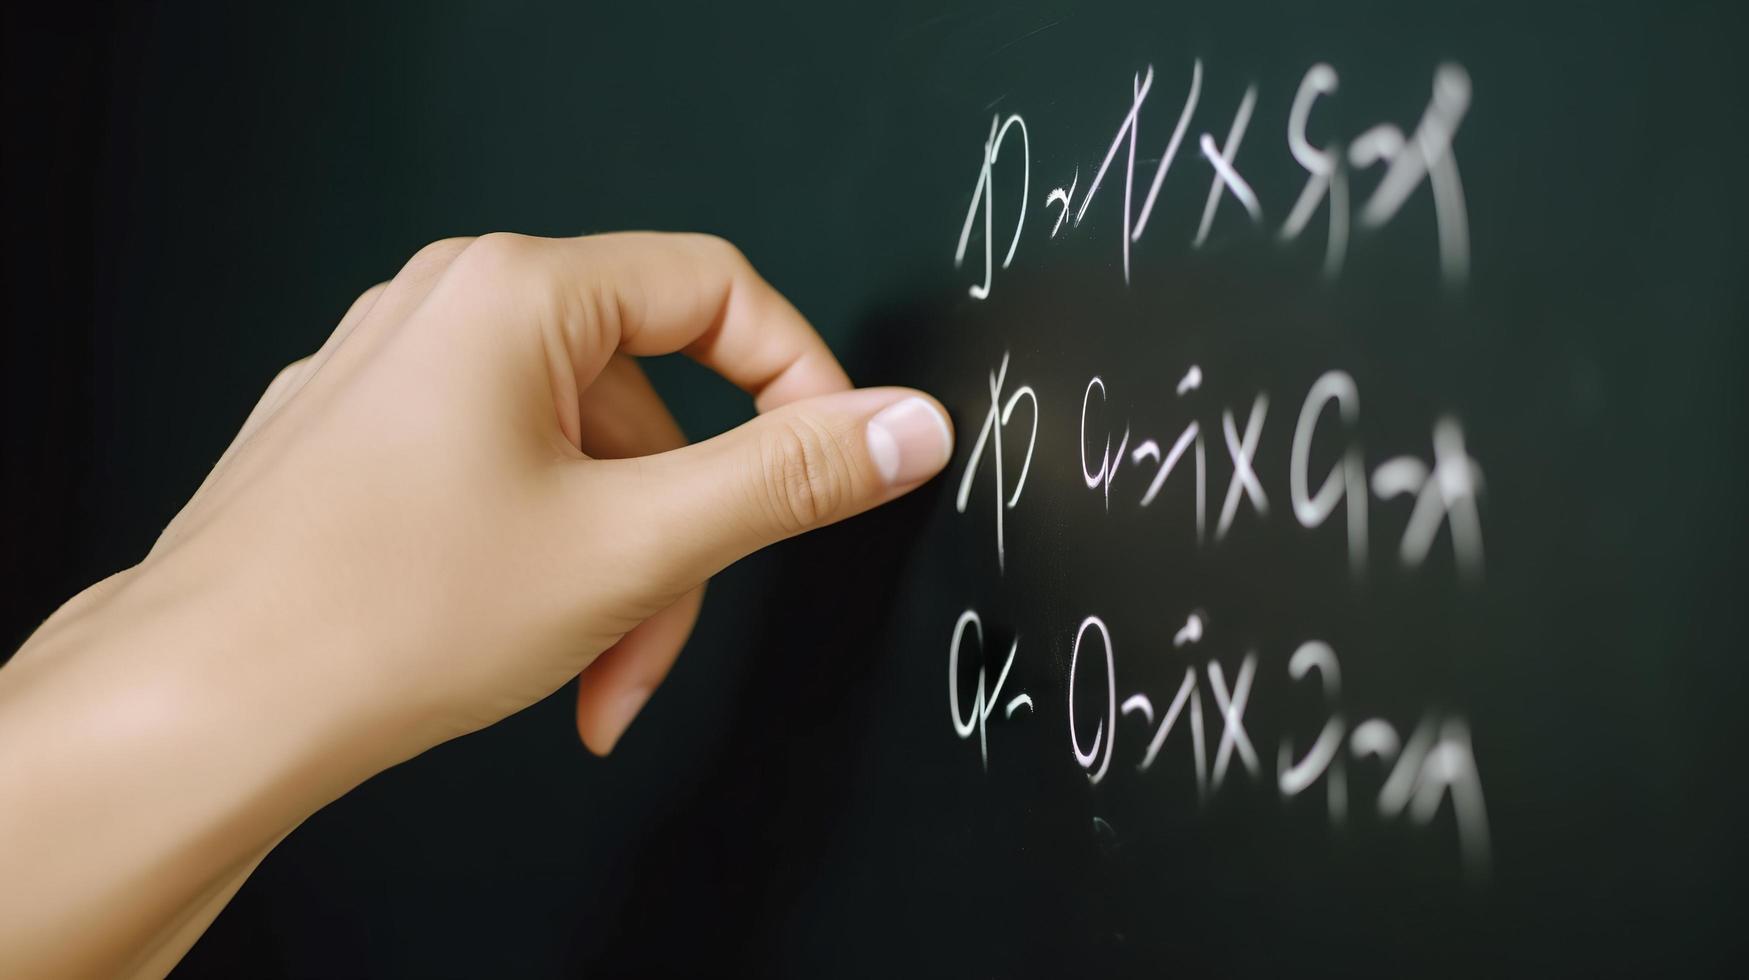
714, 886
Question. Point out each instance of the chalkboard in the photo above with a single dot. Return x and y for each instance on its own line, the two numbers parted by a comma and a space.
1340, 567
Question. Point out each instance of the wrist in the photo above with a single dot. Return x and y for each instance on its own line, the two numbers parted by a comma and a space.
281, 690
181, 719
160, 732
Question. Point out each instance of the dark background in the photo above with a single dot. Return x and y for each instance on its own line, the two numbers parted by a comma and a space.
195, 192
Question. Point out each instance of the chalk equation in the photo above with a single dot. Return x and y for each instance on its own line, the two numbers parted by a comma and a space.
1202, 468
1211, 456
1444, 483
1417, 774
1403, 160
1424, 764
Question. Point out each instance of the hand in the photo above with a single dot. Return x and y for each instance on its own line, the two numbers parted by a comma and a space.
474, 478
466, 497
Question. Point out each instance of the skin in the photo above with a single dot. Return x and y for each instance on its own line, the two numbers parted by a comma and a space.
469, 495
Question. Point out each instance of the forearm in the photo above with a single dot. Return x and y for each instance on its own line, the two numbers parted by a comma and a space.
153, 746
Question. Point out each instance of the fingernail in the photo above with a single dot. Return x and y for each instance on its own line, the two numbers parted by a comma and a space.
909, 441
620, 715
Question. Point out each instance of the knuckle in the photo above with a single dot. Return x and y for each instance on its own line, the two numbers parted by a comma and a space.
370, 295
435, 257
802, 475
722, 248
291, 371
495, 257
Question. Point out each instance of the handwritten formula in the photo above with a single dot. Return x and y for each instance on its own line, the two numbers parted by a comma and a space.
1403, 160
1201, 470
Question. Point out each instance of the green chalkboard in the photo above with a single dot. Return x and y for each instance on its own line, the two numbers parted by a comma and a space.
1340, 569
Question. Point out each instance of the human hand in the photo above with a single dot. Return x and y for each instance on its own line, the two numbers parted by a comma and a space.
467, 496
476, 492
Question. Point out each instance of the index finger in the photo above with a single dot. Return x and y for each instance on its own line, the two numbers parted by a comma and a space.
652, 293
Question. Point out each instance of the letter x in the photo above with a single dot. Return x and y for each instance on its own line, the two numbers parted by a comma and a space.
1221, 158
1232, 709
1243, 452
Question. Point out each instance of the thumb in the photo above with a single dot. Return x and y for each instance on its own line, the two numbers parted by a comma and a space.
804, 465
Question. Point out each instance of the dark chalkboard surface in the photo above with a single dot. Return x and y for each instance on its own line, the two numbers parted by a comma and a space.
1340, 569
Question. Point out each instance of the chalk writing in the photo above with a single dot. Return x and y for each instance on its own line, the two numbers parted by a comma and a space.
1445, 489
990, 437
1211, 725
1426, 155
